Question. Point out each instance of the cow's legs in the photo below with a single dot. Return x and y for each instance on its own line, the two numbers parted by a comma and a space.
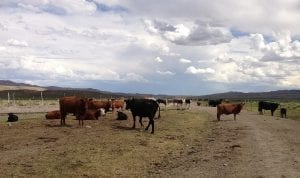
151, 122
141, 121
133, 121
63, 120
272, 112
234, 116
218, 117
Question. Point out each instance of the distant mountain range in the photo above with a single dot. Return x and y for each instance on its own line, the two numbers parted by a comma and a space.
23, 90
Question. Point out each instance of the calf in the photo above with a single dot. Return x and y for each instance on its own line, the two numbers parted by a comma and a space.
121, 116
283, 112
91, 114
53, 114
12, 117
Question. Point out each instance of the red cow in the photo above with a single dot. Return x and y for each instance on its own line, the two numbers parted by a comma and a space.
92, 114
98, 104
119, 104
229, 109
53, 114
75, 105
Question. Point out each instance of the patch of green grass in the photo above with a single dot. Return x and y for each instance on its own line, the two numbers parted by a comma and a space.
293, 109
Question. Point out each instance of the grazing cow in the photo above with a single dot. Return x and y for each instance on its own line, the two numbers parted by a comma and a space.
12, 117
98, 104
72, 104
229, 109
198, 103
121, 116
118, 104
214, 103
143, 108
283, 112
53, 114
267, 106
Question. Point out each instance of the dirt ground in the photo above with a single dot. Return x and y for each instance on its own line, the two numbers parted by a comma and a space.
253, 145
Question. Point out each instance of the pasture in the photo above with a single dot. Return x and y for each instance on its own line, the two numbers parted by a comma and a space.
186, 142
293, 108
34, 146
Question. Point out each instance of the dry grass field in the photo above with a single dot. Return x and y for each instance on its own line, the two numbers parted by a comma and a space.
34, 146
189, 143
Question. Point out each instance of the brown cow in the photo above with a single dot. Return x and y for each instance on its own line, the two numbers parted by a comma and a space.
118, 104
92, 114
98, 104
53, 114
229, 109
75, 105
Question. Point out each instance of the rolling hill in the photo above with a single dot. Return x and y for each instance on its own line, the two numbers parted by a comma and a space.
27, 91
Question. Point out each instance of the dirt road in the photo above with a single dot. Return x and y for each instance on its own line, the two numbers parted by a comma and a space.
254, 145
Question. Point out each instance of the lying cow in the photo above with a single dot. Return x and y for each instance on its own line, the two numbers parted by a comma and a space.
12, 117
92, 114
53, 114
229, 109
121, 116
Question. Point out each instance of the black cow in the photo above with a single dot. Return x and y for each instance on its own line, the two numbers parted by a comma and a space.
143, 108
121, 116
283, 112
214, 103
12, 117
267, 106
162, 101
188, 102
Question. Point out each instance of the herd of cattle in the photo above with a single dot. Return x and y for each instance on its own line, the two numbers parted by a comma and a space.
90, 109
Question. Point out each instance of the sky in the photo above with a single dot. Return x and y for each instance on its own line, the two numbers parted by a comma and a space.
175, 47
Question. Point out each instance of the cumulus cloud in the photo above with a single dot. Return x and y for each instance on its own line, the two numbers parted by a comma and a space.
182, 60
133, 77
136, 41
17, 43
194, 70
158, 59
198, 34
165, 72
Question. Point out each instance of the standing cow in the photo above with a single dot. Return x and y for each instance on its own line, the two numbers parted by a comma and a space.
75, 105
214, 103
267, 106
283, 112
143, 108
229, 109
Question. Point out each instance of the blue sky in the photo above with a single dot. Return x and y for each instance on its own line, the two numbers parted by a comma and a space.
151, 46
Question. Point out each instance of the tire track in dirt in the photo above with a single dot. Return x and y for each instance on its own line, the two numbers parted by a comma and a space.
254, 145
